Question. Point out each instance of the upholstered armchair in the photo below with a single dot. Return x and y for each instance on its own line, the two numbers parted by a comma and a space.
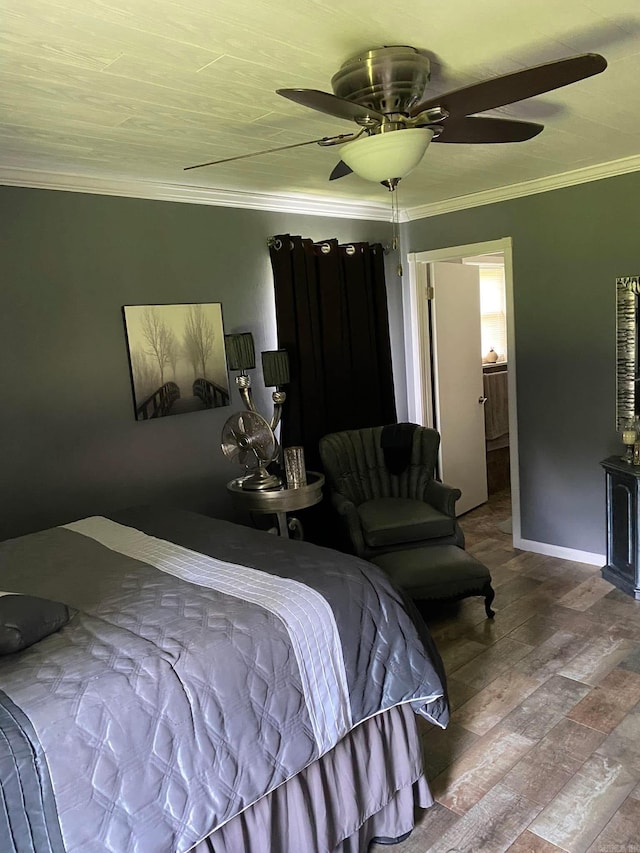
381, 481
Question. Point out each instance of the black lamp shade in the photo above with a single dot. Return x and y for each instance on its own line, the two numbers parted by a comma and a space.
275, 367
241, 354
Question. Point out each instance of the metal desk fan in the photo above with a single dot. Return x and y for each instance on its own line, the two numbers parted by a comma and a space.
248, 439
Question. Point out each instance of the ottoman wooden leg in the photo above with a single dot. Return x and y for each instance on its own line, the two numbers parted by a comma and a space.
489, 595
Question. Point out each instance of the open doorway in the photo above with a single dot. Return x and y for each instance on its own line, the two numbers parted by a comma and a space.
447, 381
494, 355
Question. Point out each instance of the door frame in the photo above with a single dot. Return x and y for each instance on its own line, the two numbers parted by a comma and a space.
417, 344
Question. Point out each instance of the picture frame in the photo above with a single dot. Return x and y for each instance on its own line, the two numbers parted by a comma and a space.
177, 359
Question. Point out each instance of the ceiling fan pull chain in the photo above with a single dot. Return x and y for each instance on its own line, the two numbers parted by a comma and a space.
394, 220
395, 225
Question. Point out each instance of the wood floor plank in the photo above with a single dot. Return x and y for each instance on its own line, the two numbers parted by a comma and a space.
632, 661
441, 747
452, 626
583, 596
623, 743
500, 574
608, 704
467, 779
554, 587
515, 589
542, 775
491, 826
514, 757
552, 655
598, 658
459, 652
543, 709
577, 740
492, 661
619, 614
525, 562
627, 630
544, 568
483, 631
535, 630
530, 843
620, 603
492, 552
623, 830
579, 813
508, 618
547, 768
554, 618
495, 701
458, 693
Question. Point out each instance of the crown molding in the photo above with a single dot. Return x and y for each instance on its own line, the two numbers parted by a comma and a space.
540, 185
158, 191
305, 204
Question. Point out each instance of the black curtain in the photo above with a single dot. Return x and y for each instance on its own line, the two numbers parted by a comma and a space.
332, 318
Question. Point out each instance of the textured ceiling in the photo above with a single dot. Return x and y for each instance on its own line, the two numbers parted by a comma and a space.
137, 89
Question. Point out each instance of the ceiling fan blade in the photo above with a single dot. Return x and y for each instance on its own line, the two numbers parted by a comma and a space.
510, 88
470, 129
326, 140
340, 170
332, 105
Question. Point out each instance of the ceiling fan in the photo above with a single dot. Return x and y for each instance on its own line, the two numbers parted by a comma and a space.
382, 90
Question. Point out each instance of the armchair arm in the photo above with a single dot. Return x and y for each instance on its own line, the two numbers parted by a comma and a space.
348, 512
442, 497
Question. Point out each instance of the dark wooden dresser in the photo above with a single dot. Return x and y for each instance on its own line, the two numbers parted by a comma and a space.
623, 523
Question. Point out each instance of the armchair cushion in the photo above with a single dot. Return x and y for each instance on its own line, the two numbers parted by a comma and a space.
382, 485
393, 521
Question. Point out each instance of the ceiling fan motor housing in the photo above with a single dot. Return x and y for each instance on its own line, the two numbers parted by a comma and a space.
386, 79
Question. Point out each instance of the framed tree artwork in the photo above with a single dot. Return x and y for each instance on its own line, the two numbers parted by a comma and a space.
177, 358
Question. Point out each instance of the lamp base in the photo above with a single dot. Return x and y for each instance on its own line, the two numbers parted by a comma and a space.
628, 454
261, 479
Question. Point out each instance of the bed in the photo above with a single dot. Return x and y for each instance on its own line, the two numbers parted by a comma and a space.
215, 689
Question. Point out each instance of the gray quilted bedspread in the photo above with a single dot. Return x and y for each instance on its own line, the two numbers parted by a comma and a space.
166, 707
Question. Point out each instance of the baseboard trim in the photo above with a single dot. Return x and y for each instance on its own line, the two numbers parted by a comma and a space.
558, 551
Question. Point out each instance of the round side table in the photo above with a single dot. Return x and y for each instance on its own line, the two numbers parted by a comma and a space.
279, 502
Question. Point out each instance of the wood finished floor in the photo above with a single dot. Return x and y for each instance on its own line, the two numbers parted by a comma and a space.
543, 750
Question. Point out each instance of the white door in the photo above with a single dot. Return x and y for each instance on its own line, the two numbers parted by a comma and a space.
458, 397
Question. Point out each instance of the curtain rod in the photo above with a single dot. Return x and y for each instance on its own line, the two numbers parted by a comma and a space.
325, 246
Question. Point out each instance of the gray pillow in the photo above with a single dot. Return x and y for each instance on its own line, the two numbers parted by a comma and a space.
25, 619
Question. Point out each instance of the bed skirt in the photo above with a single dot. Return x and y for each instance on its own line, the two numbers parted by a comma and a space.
365, 788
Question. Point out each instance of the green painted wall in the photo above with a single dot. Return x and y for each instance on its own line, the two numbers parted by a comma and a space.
68, 261
568, 247
69, 445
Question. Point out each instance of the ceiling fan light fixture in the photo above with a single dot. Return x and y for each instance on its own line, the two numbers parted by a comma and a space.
384, 156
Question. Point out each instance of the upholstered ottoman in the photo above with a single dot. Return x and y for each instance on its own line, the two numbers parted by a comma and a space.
437, 572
